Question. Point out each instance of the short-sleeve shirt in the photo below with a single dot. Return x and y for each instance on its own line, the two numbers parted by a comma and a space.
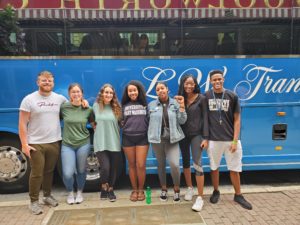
224, 130
44, 123
107, 132
75, 133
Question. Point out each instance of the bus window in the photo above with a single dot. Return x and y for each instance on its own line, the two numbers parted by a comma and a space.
199, 41
266, 40
74, 40
50, 43
227, 43
296, 41
92, 44
139, 43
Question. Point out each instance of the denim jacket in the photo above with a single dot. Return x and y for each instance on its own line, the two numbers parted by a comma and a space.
176, 118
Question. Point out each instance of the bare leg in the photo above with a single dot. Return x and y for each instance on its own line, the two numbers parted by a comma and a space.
130, 153
200, 184
235, 180
188, 177
215, 179
141, 156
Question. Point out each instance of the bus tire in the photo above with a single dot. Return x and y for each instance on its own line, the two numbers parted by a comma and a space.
14, 165
92, 173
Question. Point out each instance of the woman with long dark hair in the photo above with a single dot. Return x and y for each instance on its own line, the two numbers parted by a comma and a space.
196, 136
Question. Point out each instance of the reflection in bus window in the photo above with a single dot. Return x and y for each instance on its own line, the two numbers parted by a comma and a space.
49, 43
227, 44
92, 44
144, 45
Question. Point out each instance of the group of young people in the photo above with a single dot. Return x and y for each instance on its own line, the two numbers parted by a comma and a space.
189, 122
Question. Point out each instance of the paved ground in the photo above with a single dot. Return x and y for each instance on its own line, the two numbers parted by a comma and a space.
271, 205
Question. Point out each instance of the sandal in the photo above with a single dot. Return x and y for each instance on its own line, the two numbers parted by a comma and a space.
134, 196
141, 195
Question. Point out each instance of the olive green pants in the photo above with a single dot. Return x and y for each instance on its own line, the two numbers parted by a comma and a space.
42, 162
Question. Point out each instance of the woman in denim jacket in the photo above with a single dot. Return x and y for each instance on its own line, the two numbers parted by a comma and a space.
164, 133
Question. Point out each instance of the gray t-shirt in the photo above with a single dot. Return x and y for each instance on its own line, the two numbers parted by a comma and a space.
221, 119
44, 123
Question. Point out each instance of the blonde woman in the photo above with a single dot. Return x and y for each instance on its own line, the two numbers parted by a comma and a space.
107, 145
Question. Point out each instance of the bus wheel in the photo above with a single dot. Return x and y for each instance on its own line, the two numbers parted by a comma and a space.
14, 166
92, 173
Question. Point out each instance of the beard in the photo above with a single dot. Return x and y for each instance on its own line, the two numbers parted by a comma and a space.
46, 89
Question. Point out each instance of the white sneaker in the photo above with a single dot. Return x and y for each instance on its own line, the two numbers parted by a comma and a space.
198, 204
70, 198
189, 194
79, 197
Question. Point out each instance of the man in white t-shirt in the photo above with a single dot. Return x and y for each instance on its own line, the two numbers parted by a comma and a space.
40, 135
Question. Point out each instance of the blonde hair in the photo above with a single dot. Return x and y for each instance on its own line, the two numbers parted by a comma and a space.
114, 103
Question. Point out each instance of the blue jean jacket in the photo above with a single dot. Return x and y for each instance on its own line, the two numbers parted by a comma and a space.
176, 118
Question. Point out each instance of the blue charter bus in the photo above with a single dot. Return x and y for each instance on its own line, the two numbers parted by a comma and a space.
256, 45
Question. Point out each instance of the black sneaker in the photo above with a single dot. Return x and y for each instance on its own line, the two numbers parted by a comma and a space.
242, 201
163, 195
111, 196
214, 198
103, 194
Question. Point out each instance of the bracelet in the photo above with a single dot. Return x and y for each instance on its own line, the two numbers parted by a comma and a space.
234, 142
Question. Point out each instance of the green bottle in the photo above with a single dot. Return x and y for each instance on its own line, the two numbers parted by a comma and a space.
148, 195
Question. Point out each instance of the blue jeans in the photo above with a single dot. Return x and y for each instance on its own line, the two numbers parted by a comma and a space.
74, 162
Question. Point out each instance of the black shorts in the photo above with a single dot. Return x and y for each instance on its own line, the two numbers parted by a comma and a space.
136, 140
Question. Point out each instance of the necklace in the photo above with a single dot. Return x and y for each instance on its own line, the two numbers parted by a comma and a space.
219, 105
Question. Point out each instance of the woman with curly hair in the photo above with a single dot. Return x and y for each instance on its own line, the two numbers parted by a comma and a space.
107, 145
134, 136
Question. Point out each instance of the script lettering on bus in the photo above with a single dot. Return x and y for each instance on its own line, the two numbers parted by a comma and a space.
154, 74
260, 77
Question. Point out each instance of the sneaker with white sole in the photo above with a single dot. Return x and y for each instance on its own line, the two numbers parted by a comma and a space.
50, 200
176, 197
198, 204
163, 195
79, 197
70, 198
35, 208
188, 196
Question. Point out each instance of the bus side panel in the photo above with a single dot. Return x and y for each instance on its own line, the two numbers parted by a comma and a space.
260, 151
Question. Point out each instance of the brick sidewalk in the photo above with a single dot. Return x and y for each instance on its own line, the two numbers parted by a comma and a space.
281, 207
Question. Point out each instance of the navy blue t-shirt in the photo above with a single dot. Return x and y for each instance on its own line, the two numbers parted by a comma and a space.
221, 121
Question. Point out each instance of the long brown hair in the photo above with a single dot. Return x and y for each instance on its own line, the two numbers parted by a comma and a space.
114, 103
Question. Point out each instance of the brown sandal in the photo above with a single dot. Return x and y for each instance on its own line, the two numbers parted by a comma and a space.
134, 196
141, 195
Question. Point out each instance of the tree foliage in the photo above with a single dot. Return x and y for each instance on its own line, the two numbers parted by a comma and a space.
11, 42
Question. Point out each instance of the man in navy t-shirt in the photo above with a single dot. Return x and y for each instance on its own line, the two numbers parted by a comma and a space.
224, 129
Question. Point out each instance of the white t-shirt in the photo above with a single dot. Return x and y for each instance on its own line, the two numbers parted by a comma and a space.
44, 122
